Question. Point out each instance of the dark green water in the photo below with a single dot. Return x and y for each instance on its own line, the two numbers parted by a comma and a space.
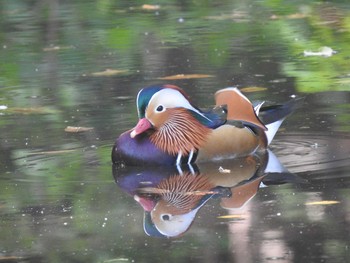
81, 64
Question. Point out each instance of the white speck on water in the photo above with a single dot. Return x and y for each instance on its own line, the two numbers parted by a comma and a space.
181, 20
65, 223
3, 107
315, 145
323, 51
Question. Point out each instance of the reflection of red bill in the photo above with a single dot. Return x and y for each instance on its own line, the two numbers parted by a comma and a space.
147, 204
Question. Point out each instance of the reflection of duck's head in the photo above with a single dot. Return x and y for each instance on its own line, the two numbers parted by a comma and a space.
172, 225
180, 198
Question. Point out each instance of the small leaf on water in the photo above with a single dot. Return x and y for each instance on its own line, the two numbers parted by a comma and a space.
77, 129
323, 202
55, 48
252, 89
237, 16
52, 152
116, 260
150, 7
231, 217
291, 16
38, 110
186, 76
224, 171
109, 72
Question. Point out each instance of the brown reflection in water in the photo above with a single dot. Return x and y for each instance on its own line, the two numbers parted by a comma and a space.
272, 245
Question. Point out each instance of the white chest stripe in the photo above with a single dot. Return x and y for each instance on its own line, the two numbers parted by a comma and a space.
178, 159
190, 156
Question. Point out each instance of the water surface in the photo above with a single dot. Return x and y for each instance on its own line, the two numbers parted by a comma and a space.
81, 64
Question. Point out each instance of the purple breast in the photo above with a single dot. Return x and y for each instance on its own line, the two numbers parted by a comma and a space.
139, 151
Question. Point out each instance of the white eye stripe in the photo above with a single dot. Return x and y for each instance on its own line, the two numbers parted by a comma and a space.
171, 98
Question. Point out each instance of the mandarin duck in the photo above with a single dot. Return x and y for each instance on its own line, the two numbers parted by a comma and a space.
172, 131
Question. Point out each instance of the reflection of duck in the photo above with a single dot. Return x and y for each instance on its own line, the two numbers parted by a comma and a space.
171, 130
172, 200
179, 199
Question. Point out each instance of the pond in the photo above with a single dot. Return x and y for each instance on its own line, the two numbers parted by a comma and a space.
70, 72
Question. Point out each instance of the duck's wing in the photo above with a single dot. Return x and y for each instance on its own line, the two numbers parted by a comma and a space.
239, 108
212, 118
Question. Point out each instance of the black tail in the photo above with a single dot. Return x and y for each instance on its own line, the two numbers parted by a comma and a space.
270, 114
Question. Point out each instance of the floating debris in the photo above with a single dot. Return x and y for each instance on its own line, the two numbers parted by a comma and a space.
3, 107
282, 80
322, 52
224, 171
74, 129
291, 16
52, 152
324, 202
186, 76
150, 7
231, 217
237, 16
31, 110
109, 72
124, 97
117, 260
55, 48
253, 89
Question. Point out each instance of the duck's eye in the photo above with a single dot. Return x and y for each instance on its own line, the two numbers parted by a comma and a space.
166, 217
160, 108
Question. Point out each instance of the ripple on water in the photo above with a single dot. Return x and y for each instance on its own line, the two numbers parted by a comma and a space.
313, 152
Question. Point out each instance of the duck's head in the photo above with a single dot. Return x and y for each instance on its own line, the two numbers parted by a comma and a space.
173, 123
156, 105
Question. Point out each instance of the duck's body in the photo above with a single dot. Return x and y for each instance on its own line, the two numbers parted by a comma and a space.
172, 131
